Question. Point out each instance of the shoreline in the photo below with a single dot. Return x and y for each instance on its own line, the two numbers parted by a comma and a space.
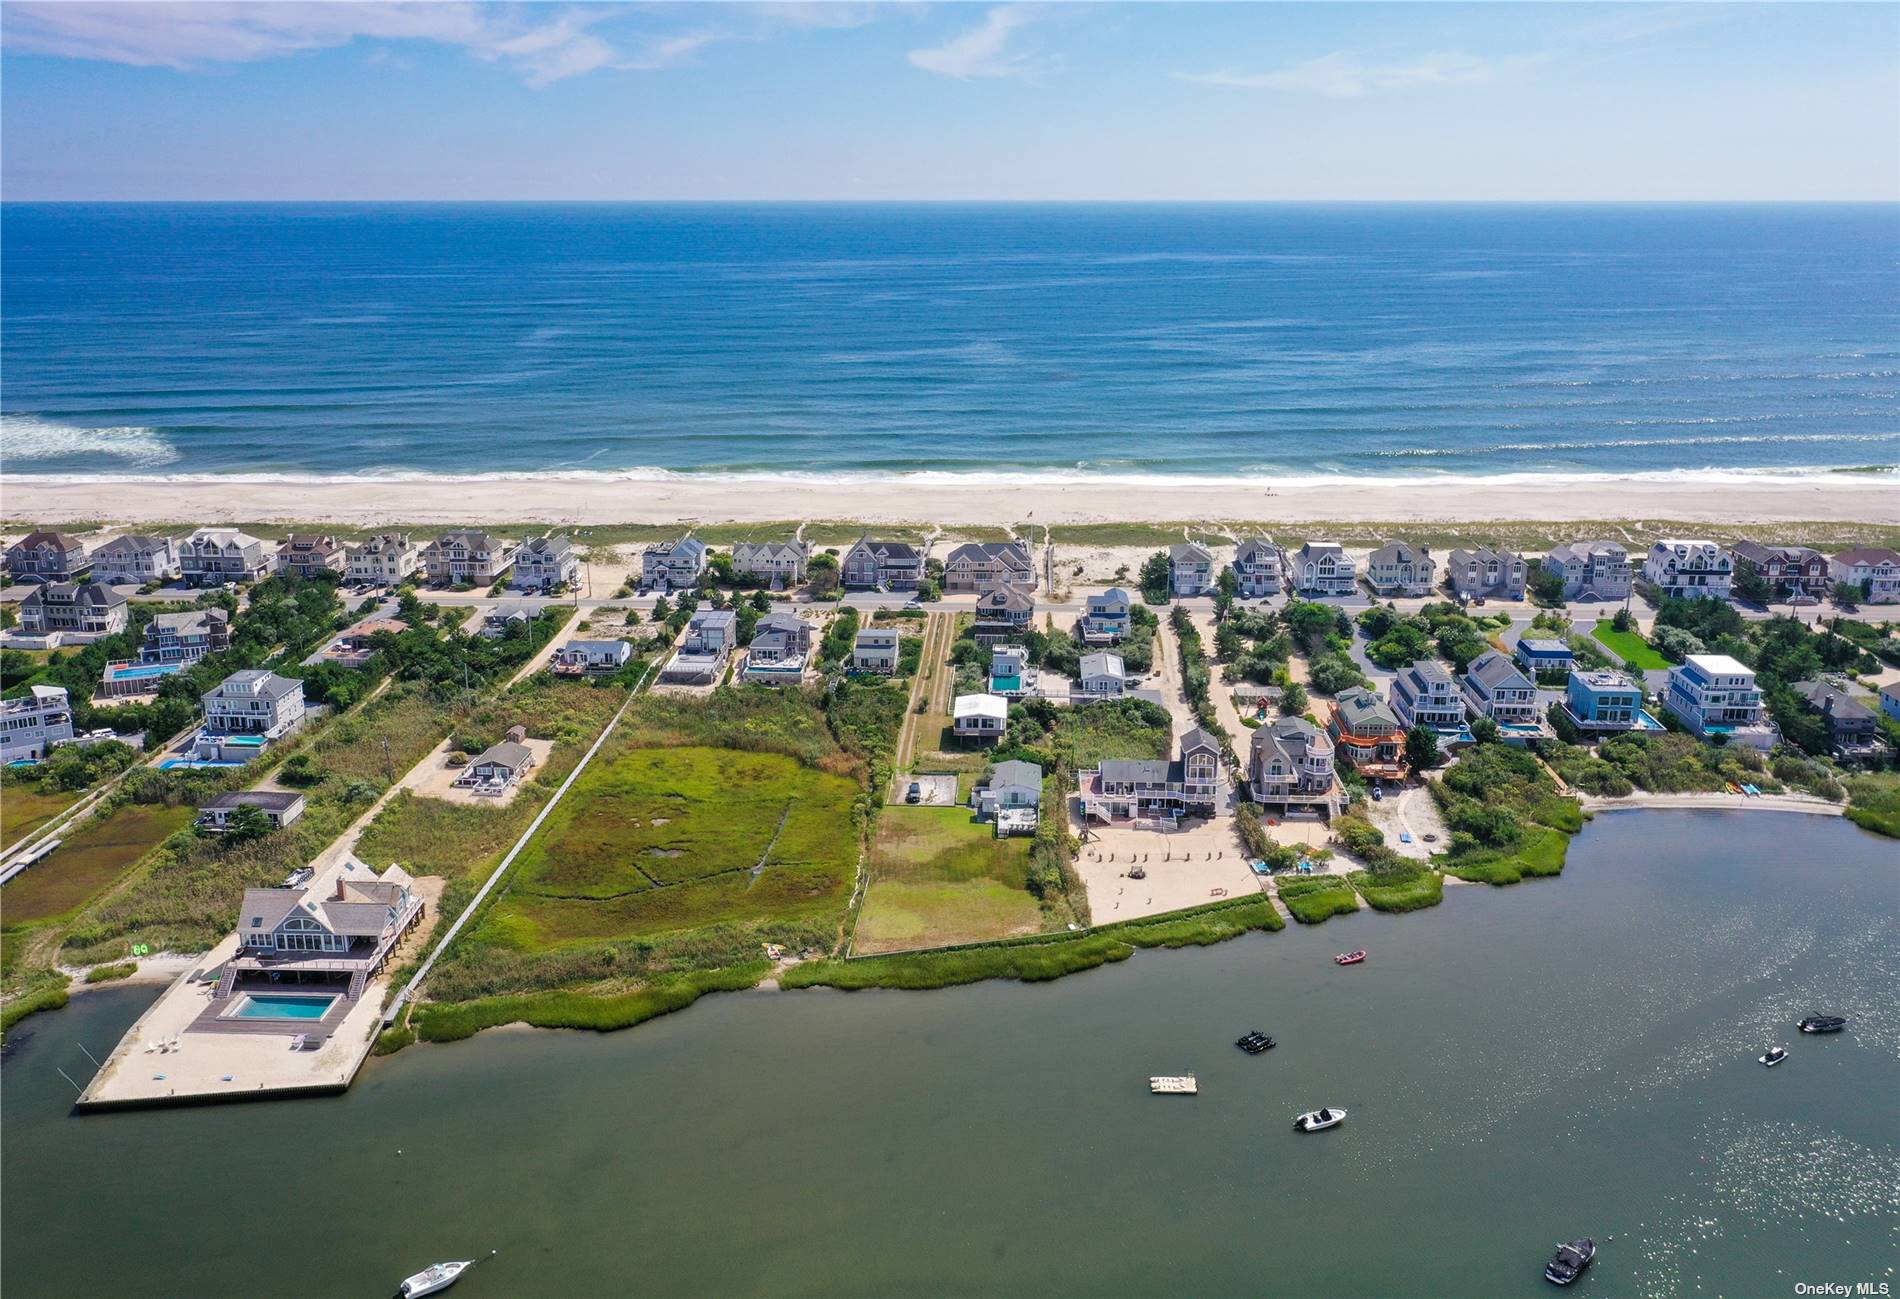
987, 500
1712, 802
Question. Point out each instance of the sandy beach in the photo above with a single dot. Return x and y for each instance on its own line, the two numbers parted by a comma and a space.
601, 499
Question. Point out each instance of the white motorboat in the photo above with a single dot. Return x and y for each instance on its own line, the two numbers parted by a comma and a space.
435, 1278
1776, 1054
1320, 1119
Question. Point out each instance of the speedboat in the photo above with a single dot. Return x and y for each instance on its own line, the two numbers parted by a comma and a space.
1350, 958
435, 1278
1572, 1258
1255, 1042
1823, 1024
1320, 1119
1776, 1054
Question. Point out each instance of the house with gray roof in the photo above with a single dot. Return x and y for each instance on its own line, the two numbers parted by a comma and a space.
1401, 568
136, 557
881, 566
338, 929
498, 767
711, 636
214, 556
1260, 568
546, 564
1105, 617
1103, 676
1002, 612
468, 556
1591, 570
185, 636
1426, 694
386, 559
1482, 573
1290, 766
875, 649
780, 649
254, 702
1167, 788
1366, 734
88, 609
1012, 797
591, 658
1494, 687
777, 565
673, 565
1853, 731
1322, 568
1190, 569
309, 555
47, 556
981, 565
280, 808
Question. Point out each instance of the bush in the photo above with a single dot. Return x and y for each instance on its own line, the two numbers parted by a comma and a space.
111, 973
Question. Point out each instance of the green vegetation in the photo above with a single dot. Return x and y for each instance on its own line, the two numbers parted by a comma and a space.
112, 973
26, 805
95, 855
1080, 736
1400, 890
1875, 803
601, 1010
1041, 958
1507, 818
1156, 580
938, 878
1313, 899
1630, 647
46, 993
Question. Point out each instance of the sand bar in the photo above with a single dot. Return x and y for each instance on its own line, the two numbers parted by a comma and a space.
598, 499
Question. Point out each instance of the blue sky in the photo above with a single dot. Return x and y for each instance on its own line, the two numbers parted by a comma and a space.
1013, 101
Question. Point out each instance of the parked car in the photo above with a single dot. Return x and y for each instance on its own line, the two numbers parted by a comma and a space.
915, 794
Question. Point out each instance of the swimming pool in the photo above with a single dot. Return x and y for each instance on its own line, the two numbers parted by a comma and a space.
142, 672
280, 1005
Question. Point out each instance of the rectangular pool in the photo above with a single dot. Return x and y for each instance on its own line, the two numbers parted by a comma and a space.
281, 1005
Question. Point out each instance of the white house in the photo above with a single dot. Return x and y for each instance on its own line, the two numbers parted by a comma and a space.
980, 717
779, 565
386, 559
875, 650
279, 807
254, 702
468, 555
1105, 617
1103, 676
33, 724
1012, 797
1426, 694
136, 557
1190, 568
213, 556
1689, 569
1715, 697
1323, 568
673, 565
1260, 568
1874, 569
591, 657
546, 564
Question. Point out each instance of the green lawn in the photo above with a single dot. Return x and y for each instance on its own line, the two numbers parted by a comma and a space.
24, 808
1630, 647
653, 840
96, 855
939, 878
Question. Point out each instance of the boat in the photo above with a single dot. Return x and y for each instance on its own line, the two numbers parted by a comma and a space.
1255, 1042
1174, 1085
1572, 1257
1823, 1024
1320, 1119
435, 1278
1776, 1054
1350, 958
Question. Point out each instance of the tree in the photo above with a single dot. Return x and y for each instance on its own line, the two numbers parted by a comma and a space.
1622, 621
1546, 585
246, 822
1421, 748
761, 602
822, 574
1227, 643
1155, 578
1848, 594
1228, 583
1751, 585
299, 770
1485, 731
662, 610
1293, 699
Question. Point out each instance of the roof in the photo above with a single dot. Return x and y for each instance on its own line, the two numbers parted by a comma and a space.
770, 549
1358, 707
1820, 694
349, 899
599, 646
382, 541
1014, 553
691, 547
221, 537
1428, 670
506, 754
261, 682
1399, 552
1755, 552
780, 620
134, 544
1016, 772
1145, 771
1114, 595
1103, 665
1311, 548
92, 593
1291, 736
1196, 738
1545, 646
1495, 669
713, 618
980, 706
1578, 549
1605, 679
271, 800
1868, 555
890, 549
187, 621
551, 547
47, 537
473, 538
1006, 599
1181, 550
1255, 548
321, 543
1718, 665
876, 636
1483, 554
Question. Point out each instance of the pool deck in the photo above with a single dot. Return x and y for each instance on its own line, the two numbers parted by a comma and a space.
242, 1059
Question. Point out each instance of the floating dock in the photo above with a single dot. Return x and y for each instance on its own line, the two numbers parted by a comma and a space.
1174, 1085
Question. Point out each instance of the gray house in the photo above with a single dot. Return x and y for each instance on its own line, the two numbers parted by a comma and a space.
1105, 617
546, 564
1495, 688
780, 565
136, 558
214, 556
673, 565
882, 565
1260, 567
186, 636
1323, 568
980, 565
1853, 733
1103, 676
1190, 569
279, 807
875, 650
1483, 573
1290, 765
1400, 568
1591, 570
47, 556
91, 608
1004, 611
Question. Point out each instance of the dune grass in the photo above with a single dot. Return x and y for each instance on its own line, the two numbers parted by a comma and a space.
1314, 899
112, 973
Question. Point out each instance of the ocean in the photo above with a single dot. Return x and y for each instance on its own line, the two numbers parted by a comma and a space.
1008, 340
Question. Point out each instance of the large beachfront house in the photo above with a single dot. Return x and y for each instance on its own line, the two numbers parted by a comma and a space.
1003, 612
982, 718
546, 564
1366, 734
780, 649
186, 636
1591, 570
467, 556
1290, 765
779, 565
1260, 568
338, 929
1686, 568
46, 556
88, 608
1105, 617
1715, 696
310, 555
254, 702
214, 556
136, 557
32, 725
1605, 702
1482, 573
875, 650
711, 636
1853, 731
1797, 574
1426, 694
1495, 688
386, 559
1190, 569
1873, 569
1324, 568
1187, 785
982, 565
881, 566
673, 565
1400, 568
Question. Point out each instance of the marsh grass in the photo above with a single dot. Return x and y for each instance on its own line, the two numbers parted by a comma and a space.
1314, 899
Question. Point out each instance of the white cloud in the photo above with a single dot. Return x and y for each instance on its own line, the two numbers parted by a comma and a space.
984, 50
1342, 75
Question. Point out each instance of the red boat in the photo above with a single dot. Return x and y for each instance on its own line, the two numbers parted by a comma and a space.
1350, 958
